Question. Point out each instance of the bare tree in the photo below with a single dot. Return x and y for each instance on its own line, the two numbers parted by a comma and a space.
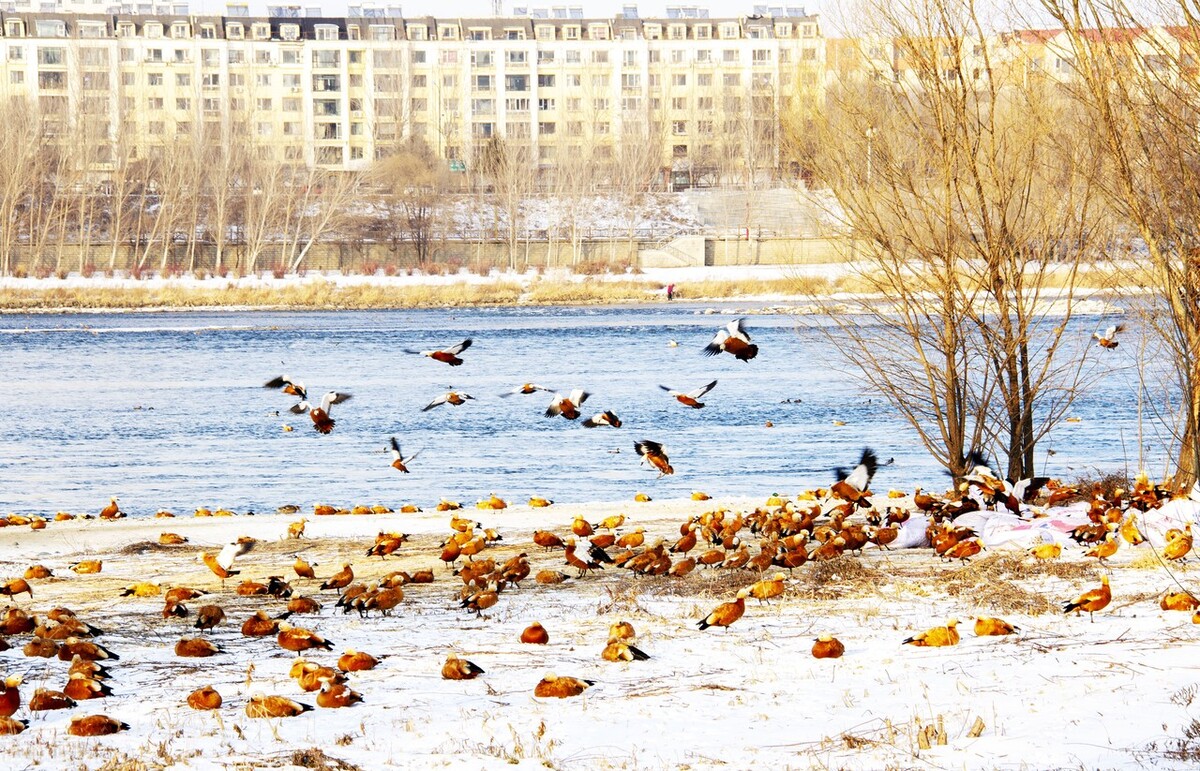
1137, 86
413, 183
971, 204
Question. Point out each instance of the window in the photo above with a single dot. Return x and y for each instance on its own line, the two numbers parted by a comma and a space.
600, 104
599, 57
809, 54
50, 28
16, 28
326, 59
601, 128
481, 59
208, 32
155, 127
183, 80
183, 103
52, 56
631, 103
704, 80
629, 59
631, 80
212, 105
729, 31
678, 127
546, 152
380, 32
514, 34
290, 80
128, 78
449, 81
418, 32
570, 32
483, 106
264, 128
479, 34
545, 57
575, 128
93, 57
237, 80
600, 81
326, 107
679, 80
448, 57
545, 81
88, 29
154, 79
289, 31
16, 53
210, 57
703, 55
598, 32
179, 31
418, 81
516, 82
572, 57
326, 83
761, 56
450, 105
154, 103
483, 130
517, 104
16, 76
704, 104
290, 56
263, 104
235, 31
676, 32
573, 81
237, 56
514, 57
546, 128
384, 58
679, 103
731, 79
704, 127
418, 57
152, 29
543, 32
545, 105
211, 80
263, 80
260, 31
483, 82
291, 129
262, 57
574, 104
518, 130
325, 32
655, 56
678, 56
729, 55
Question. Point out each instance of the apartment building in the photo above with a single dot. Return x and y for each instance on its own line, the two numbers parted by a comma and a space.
342, 92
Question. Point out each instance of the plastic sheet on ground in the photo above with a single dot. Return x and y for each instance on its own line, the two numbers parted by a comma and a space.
1001, 529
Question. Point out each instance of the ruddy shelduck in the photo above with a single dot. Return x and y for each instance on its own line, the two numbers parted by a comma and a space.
828, 647
654, 454
732, 338
446, 355
459, 669
727, 612
937, 637
567, 406
95, 725
988, 626
554, 687
260, 706
1091, 600
204, 698
691, 398
535, 634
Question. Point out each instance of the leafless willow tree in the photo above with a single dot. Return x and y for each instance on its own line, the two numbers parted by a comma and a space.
412, 188
974, 209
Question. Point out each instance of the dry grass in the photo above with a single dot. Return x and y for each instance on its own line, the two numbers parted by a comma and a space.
589, 291
989, 582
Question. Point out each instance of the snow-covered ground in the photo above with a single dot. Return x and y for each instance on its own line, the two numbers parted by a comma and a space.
1062, 693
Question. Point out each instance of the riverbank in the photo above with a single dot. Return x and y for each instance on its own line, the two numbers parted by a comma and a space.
334, 291
1063, 692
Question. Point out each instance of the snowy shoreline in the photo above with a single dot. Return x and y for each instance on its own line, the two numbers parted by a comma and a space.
1043, 696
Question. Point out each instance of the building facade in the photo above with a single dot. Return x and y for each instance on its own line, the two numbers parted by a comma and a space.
342, 92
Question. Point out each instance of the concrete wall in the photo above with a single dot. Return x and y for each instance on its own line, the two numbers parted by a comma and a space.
357, 257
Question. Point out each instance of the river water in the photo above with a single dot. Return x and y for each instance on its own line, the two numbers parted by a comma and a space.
167, 409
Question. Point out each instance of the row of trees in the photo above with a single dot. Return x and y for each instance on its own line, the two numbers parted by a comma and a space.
982, 186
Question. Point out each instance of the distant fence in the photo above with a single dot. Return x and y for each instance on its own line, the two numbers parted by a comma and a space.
686, 251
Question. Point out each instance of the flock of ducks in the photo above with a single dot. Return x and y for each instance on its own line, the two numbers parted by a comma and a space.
731, 338
766, 545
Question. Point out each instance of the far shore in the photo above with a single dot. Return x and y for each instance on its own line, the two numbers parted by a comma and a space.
786, 288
